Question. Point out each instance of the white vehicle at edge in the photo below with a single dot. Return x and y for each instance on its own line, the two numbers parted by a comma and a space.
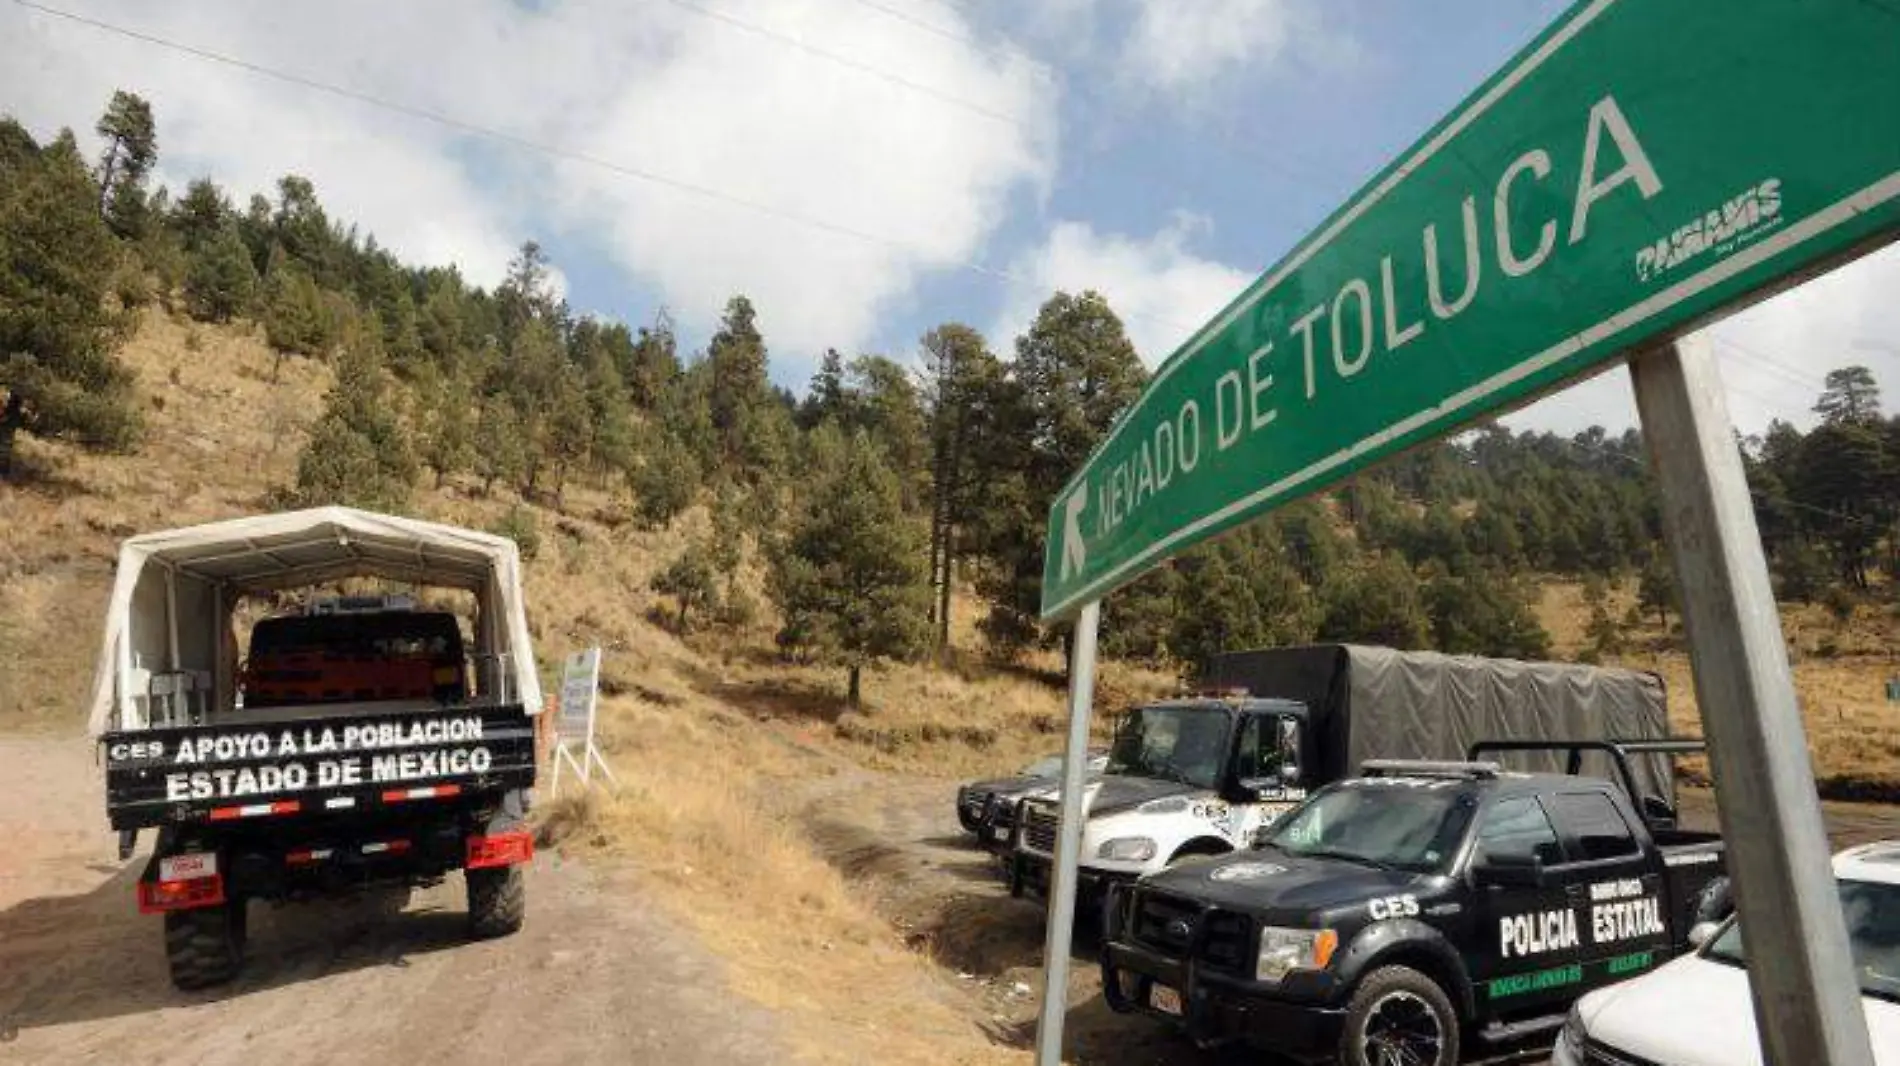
1696, 1010
1184, 777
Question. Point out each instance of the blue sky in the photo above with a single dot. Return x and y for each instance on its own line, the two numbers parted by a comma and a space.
863, 169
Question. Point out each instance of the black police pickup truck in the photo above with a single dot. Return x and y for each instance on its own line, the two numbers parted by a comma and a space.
1393, 917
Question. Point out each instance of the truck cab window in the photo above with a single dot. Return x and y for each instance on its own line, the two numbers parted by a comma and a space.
1519, 829
1595, 824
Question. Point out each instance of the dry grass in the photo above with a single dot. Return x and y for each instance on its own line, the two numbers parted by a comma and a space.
1840, 669
796, 934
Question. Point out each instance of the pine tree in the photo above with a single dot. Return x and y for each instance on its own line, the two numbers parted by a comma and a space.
359, 454
962, 381
849, 578
1377, 603
1075, 372
501, 451
663, 481
58, 376
220, 283
448, 442
1850, 397
655, 364
201, 215
131, 148
689, 578
1656, 587
1606, 637
827, 398
295, 319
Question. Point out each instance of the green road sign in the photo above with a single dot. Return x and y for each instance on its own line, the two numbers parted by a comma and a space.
1641, 166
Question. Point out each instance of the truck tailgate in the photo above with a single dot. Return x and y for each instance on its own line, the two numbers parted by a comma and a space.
320, 763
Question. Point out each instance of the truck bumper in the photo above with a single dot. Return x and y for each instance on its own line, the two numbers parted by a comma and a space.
1215, 1008
1036, 874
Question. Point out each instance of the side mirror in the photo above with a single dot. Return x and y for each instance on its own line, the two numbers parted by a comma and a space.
1702, 933
1290, 773
1510, 871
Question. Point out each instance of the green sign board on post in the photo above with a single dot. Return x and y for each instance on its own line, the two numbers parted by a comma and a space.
1641, 166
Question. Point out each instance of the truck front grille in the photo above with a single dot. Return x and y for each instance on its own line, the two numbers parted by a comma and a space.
1180, 927
1039, 828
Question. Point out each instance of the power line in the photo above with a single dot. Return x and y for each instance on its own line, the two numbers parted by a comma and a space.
846, 61
519, 141
513, 139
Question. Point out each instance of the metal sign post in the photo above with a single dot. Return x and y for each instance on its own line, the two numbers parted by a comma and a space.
1807, 1001
1060, 928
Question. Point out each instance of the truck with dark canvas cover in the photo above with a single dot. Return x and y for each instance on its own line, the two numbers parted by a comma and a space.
1204, 775
1380, 703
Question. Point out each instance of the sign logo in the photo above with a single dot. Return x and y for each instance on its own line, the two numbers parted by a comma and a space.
1720, 230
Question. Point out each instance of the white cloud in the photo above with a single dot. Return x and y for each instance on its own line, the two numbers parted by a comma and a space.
1161, 290
1184, 48
653, 87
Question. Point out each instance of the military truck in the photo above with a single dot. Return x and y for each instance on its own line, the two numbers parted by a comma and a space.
1204, 775
360, 745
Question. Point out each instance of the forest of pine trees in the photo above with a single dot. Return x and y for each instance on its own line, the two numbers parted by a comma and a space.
895, 480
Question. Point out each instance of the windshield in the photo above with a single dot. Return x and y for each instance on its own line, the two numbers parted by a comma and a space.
1387, 824
1873, 929
1186, 744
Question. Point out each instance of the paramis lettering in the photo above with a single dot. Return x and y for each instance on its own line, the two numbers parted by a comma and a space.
1756, 211
1299, 351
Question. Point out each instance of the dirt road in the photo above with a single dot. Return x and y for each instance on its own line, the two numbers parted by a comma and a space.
902, 839
595, 977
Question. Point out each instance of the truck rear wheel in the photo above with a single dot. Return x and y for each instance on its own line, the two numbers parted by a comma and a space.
497, 901
1399, 1017
205, 946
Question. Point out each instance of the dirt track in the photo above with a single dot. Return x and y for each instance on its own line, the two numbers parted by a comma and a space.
595, 976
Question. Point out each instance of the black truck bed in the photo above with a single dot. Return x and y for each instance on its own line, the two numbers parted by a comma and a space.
318, 763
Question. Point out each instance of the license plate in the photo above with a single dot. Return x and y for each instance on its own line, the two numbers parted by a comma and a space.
1164, 999
188, 867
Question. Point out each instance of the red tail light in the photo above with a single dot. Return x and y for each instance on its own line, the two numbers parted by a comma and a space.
502, 849
157, 897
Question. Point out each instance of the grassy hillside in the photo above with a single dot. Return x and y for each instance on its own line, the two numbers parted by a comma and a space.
707, 733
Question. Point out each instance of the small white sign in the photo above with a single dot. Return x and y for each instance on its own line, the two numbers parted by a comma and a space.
574, 726
580, 686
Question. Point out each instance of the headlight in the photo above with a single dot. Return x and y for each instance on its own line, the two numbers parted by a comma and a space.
1127, 849
1283, 951
1569, 1049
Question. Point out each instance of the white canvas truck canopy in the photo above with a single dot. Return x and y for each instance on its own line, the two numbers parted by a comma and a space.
172, 605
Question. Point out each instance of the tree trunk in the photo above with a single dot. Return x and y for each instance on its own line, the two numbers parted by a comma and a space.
439, 475
855, 698
11, 419
943, 609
